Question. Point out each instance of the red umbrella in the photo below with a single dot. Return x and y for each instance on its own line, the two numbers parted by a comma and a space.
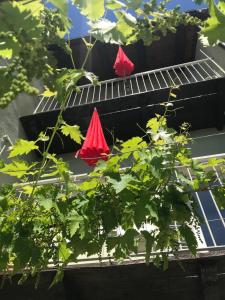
94, 146
123, 66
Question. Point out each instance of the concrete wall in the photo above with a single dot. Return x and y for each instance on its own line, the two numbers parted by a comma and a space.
10, 125
217, 53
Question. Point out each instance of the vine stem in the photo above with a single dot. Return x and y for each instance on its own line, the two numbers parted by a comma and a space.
56, 127
44, 160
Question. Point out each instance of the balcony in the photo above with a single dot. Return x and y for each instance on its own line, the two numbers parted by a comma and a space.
210, 235
125, 102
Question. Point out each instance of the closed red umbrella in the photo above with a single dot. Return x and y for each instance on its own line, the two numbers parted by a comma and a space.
123, 65
94, 146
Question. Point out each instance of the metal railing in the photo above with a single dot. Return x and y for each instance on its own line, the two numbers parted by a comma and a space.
211, 234
167, 77
5, 143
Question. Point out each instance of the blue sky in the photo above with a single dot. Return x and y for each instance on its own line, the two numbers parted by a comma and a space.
80, 28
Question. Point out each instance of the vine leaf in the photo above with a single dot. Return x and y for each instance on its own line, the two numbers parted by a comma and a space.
92, 9
75, 221
47, 203
61, 5
22, 147
119, 186
64, 251
115, 4
48, 93
73, 131
214, 29
189, 237
18, 169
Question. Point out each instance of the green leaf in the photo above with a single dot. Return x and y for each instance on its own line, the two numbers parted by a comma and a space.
22, 147
219, 194
64, 251
189, 237
9, 48
61, 5
134, 4
58, 277
130, 239
36, 6
72, 131
114, 4
92, 9
89, 185
47, 203
149, 242
126, 23
122, 184
214, 28
133, 144
17, 169
48, 93
155, 123
75, 221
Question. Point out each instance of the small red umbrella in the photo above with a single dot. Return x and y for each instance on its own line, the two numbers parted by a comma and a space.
94, 146
123, 65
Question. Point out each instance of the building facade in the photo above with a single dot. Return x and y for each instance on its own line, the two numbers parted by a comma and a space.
176, 60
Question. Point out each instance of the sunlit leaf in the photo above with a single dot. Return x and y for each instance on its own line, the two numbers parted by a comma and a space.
62, 5
72, 131
22, 147
17, 169
92, 9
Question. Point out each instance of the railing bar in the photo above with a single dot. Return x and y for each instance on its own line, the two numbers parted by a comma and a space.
93, 97
185, 75
81, 95
3, 148
87, 94
124, 87
106, 86
75, 97
157, 81
43, 109
218, 177
67, 104
198, 72
164, 79
118, 88
214, 71
144, 83
202, 210
149, 72
210, 58
205, 71
112, 89
131, 87
99, 93
191, 73
35, 111
137, 84
151, 82
56, 103
170, 77
49, 106
177, 76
